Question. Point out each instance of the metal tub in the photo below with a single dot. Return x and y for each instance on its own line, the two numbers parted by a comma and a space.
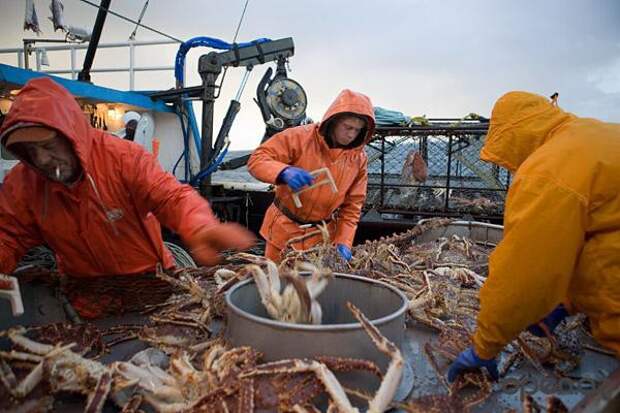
476, 231
339, 335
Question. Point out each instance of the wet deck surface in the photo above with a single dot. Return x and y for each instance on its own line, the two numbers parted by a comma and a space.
509, 390
42, 307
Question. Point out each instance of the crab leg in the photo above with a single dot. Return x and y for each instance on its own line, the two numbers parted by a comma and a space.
30, 382
269, 294
332, 386
7, 377
30, 345
99, 395
390, 382
16, 355
341, 364
433, 362
132, 405
302, 294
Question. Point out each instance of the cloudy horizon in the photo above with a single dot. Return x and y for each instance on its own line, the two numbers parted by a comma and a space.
435, 58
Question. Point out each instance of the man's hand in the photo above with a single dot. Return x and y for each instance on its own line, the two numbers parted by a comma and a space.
551, 321
207, 243
344, 252
295, 178
467, 360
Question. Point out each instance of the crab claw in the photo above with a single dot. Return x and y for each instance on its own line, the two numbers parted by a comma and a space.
268, 289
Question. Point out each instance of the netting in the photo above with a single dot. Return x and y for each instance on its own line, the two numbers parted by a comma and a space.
457, 183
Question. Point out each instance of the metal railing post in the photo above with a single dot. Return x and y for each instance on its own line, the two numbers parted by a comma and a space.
447, 194
381, 192
24, 61
37, 57
73, 60
26, 47
131, 66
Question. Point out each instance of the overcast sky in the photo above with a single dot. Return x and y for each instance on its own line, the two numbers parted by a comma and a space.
433, 57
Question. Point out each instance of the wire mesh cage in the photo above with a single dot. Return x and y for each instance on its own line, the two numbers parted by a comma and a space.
455, 181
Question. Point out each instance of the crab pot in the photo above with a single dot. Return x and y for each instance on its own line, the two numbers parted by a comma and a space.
339, 335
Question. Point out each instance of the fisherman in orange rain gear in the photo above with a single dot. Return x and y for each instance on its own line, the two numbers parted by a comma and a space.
336, 143
97, 201
561, 247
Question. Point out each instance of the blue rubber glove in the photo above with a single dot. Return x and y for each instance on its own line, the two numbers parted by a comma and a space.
552, 320
467, 360
295, 178
344, 252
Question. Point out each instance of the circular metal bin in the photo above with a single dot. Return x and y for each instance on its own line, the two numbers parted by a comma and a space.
339, 335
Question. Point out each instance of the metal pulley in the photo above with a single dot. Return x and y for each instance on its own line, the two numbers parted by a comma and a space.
286, 100
282, 102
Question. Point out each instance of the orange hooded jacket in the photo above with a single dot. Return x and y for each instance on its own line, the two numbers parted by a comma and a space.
108, 223
305, 147
562, 222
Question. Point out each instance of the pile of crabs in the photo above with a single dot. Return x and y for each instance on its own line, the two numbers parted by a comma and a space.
191, 367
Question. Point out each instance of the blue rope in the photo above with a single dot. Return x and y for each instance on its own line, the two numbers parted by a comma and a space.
189, 109
212, 168
184, 154
207, 42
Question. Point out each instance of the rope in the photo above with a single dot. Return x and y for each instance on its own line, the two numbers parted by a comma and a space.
240, 20
132, 36
181, 258
212, 168
43, 257
137, 23
204, 41
39, 257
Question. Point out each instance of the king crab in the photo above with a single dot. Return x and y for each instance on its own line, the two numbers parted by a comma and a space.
228, 379
297, 301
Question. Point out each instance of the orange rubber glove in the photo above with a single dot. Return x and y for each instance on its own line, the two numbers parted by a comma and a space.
206, 243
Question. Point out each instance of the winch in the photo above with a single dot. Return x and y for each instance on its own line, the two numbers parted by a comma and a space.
282, 101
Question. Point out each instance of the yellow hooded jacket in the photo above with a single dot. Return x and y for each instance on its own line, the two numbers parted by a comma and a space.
562, 222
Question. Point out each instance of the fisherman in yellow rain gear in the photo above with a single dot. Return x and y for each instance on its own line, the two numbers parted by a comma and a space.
561, 248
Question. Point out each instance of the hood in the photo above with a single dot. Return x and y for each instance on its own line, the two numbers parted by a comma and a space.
43, 101
521, 122
349, 101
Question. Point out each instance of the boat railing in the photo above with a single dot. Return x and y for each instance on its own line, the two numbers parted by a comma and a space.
30, 47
